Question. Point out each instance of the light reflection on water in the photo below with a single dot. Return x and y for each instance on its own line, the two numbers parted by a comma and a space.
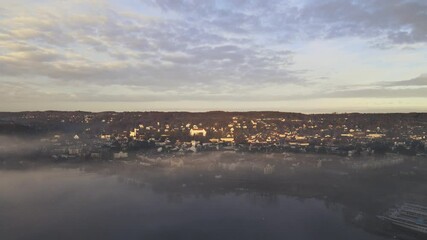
59, 203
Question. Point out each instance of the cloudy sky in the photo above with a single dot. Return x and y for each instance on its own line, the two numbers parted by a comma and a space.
198, 55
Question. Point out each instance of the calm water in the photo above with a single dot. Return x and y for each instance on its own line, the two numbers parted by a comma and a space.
59, 203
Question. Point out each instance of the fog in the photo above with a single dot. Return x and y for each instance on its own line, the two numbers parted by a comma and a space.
207, 196
12, 145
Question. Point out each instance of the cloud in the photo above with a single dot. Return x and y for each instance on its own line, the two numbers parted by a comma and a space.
412, 88
185, 50
376, 93
119, 48
418, 81
394, 21
209, 42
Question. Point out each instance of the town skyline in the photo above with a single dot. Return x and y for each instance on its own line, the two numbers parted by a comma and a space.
172, 132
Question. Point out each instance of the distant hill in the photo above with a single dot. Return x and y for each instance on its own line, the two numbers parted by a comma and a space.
12, 128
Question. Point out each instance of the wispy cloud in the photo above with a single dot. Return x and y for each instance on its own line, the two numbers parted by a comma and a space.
418, 81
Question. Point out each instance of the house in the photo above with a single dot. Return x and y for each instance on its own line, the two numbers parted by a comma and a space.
105, 136
120, 155
197, 132
74, 151
375, 135
133, 134
227, 139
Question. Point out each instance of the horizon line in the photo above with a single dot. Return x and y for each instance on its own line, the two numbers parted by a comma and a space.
223, 111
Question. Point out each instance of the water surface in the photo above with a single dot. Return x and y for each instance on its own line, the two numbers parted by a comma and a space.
62, 203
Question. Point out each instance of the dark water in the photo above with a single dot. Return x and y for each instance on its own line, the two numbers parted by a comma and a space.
58, 203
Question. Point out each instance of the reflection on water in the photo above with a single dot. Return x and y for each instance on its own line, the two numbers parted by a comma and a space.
112, 201
66, 204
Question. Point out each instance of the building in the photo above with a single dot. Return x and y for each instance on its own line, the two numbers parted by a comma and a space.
133, 133
197, 132
74, 151
120, 155
227, 140
375, 135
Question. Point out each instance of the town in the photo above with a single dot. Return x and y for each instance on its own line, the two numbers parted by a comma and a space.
114, 135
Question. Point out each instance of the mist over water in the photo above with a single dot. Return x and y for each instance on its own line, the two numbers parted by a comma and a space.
61, 203
204, 196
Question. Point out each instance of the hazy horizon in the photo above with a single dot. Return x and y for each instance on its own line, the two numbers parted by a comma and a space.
221, 110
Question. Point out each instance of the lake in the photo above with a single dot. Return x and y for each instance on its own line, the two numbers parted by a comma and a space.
74, 203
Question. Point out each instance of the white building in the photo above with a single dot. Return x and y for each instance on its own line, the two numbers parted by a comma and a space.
120, 155
74, 151
198, 132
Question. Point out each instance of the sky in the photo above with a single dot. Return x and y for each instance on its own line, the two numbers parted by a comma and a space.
307, 56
